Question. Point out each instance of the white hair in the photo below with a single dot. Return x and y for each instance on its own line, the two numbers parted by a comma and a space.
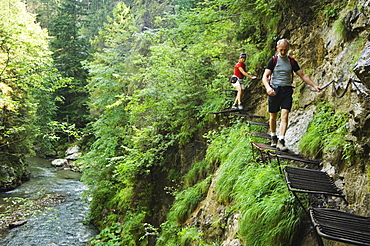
282, 41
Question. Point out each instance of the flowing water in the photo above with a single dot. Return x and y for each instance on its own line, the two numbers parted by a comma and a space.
65, 224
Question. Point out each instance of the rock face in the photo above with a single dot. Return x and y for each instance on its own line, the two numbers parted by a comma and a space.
337, 54
362, 68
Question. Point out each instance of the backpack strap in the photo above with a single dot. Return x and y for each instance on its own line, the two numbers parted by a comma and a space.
291, 60
275, 58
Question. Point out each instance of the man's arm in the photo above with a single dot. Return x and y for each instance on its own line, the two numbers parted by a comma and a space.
307, 80
266, 82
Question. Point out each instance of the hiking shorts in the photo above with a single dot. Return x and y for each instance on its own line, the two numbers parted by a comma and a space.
282, 100
239, 81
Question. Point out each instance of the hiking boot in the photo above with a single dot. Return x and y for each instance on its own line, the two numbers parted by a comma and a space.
240, 106
274, 141
234, 106
281, 145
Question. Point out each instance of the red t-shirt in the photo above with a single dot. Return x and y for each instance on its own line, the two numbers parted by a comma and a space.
237, 72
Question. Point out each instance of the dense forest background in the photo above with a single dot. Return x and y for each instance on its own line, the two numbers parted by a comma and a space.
132, 83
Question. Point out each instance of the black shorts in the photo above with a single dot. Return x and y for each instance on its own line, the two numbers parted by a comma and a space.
282, 100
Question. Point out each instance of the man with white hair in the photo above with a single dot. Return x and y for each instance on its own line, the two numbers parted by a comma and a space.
277, 79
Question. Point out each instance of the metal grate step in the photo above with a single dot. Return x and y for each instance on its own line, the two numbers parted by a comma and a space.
310, 181
284, 155
258, 123
298, 158
225, 111
248, 115
263, 147
260, 135
341, 226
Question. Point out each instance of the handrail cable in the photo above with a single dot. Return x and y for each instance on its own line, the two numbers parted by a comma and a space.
365, 95
350, 81
344, 92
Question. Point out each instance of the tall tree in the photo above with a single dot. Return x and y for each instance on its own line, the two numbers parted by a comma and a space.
95, 15
69, 50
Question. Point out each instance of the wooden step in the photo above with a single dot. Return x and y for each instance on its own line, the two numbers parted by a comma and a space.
258, 123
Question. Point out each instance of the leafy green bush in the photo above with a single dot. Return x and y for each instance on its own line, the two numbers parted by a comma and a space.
122, 234
327, 133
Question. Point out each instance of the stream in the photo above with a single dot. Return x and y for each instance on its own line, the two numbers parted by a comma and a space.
65, 224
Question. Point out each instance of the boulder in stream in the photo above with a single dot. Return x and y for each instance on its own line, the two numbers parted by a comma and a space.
17, 223
59, 162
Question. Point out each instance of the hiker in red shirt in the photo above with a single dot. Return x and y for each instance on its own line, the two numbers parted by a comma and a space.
237, 80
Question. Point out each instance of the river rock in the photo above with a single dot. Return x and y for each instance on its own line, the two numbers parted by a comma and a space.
17, 223
234, 242
74, 156
72, 150
59, 162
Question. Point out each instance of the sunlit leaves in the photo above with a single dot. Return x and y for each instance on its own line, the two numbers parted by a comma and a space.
23, 46
25, 71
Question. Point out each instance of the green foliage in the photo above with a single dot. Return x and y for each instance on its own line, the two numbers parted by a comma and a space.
185, 203
327, 133
198, 171
231, 147
52, 135
270, 215
298, 93
192, 236
110, 234
331, 10
187, 200
27, 77
172, 96
121, 234
189, 235
156, 74
69, 50
340, 29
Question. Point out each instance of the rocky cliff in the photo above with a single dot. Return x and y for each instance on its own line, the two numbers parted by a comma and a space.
333, 47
